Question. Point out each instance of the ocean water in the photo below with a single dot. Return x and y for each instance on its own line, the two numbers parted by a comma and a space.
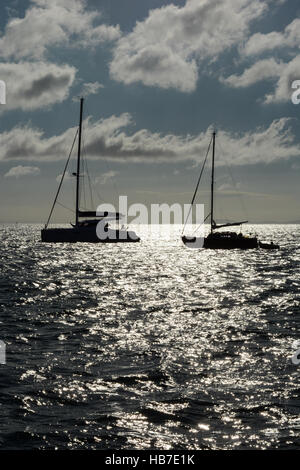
150, 345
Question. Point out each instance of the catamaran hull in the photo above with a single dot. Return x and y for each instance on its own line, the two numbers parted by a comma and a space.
75, 235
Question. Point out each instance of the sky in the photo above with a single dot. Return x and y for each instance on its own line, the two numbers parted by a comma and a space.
157, 77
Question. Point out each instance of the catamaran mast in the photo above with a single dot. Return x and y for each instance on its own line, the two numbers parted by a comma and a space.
78, 160
212, 184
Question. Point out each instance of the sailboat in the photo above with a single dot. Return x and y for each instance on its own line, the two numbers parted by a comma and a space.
86, 225
223, 239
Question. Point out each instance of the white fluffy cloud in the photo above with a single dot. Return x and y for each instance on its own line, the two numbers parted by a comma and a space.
19, 171
260, 43
32, 82
32, 85
261, 70
283, 90
163, 50
108, 138
53, 23
283, 73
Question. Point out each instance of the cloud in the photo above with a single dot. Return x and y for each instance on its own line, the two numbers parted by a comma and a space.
263, 145
283, 90
105, 177
164, 50
32, 85
53, 23
91, 88
261, 70
155, 65
113, 139
260, 43
283, 73
99, 34
19, 171
28, 143
268, 68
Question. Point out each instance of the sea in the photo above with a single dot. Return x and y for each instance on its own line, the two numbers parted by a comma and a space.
149, 345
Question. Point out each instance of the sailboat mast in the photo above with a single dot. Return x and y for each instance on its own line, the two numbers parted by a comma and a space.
78, 160
212, 184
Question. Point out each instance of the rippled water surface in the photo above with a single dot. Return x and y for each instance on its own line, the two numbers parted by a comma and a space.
149, 345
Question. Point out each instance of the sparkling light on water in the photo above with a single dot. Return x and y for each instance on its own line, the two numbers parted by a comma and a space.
148, 345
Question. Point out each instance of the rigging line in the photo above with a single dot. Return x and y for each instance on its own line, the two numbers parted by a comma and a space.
73, 190
221, 215
98, 195
199, 179
61, 181
92, 185
88, 174
93, 188
83, 185
65, 207
96, 188
287, 232
243, 207
113, 181
83, 172
86, 165
197, 228
221, 210
244, 210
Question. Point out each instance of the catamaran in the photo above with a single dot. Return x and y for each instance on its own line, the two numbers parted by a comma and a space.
223, 239
87, 222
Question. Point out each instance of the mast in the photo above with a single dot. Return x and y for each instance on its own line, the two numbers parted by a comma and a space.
212, 184
78, 160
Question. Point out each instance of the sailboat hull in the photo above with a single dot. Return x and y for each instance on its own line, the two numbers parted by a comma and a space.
230, 243
86, 235
223, 241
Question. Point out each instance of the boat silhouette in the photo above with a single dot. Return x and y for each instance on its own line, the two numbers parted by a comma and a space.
90, 226
224, 239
